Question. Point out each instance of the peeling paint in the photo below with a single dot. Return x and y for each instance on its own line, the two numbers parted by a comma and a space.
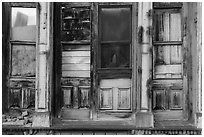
140, 34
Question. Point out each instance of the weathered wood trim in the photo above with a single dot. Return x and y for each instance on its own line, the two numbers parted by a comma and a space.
76, 4
115, 3
114, 73
50, 78
58, 97
144, 116
75, 43
198, 75
169, 43
24, 4
134, 60
6, 14
22, 42
146, 45
167, 5
186, 63
94, 57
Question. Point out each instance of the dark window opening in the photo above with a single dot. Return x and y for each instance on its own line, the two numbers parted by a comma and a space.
115, 36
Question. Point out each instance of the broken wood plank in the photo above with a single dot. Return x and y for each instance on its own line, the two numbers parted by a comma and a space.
171, 69
76, 60
76, 47
67, 67
76, 53
78, 73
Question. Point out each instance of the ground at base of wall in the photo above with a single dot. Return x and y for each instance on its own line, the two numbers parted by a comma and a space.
18, 117
102, 132
105, 128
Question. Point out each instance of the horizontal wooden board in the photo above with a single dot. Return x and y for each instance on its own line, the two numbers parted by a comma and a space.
162, 84
168, 76
75, 73
165, 69
24, 33
168, 115
75, 67
77, 47
76, 53
77, 60
119, 83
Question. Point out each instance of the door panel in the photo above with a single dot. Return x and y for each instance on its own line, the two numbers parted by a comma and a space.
160, 101
176, 99
106, 98
124, 98
115, 94
167, 99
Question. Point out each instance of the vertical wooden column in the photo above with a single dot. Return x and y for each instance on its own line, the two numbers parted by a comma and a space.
43, 66
94, 48
192, 63
144, 118
198, 117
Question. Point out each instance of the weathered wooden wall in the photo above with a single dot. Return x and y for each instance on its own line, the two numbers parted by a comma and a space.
193, 67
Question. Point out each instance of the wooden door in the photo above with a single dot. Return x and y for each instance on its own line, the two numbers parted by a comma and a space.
167, 64
72, 60
114, 68
76, 44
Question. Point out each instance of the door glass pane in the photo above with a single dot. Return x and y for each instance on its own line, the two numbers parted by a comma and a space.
167, 26
76, 24
168, 61
115, 24
23, 60
115, 55
23, 24
168, 54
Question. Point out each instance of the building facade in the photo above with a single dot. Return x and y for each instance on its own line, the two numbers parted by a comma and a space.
101, 68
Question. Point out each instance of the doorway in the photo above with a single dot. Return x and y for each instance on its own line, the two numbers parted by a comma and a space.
167, 64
